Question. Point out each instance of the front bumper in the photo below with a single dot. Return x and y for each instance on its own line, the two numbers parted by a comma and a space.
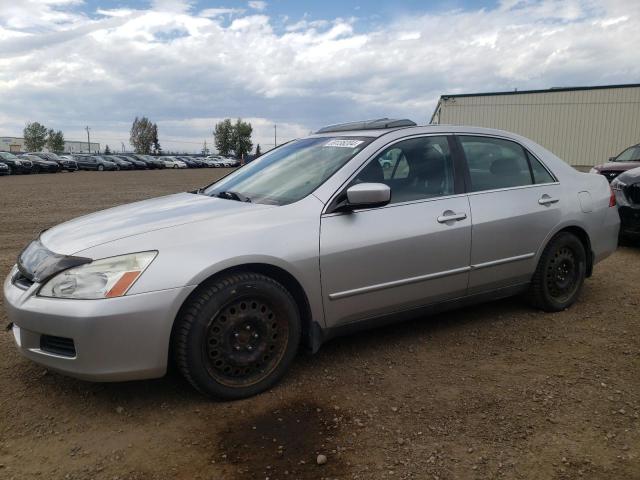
22, 168
125, 338
70, 167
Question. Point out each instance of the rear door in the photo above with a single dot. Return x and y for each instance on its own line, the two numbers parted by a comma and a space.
413, 251
515, 202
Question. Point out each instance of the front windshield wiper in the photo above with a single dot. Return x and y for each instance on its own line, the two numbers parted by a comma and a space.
230, 195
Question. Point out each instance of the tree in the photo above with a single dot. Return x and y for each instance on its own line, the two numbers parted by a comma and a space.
142, 135
157, 149
223, 136
55, 141
107, 150
35, 136
258, 152
242, 138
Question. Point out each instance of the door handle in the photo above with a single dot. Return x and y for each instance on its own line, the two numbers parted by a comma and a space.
450, 216
547, 200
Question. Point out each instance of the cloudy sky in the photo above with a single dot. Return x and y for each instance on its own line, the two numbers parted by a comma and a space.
189, 63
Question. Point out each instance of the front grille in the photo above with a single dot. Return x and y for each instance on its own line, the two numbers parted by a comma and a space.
633, 193
610, 174
57, 345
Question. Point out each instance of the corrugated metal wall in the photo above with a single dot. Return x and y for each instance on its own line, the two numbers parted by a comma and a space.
583, 127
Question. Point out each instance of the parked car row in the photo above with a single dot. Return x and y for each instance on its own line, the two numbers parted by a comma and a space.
41, 162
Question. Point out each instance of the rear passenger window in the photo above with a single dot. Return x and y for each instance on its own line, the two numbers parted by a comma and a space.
495, 163
540, 174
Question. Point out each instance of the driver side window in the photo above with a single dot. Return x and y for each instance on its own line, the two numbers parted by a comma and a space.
414, 169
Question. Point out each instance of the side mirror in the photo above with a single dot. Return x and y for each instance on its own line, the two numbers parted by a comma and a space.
366, 195
612, 159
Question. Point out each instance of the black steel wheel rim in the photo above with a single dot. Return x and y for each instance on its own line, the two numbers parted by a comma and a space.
245, 341
563, 274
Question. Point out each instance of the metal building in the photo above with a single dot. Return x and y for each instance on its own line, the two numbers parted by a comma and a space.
582, 125
16, 145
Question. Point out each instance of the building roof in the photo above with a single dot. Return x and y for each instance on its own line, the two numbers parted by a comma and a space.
548, 90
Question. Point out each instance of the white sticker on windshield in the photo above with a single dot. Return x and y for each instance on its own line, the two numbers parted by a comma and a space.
344, 143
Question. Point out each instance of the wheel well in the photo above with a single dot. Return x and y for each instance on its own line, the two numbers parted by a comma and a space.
283, 277
586, 243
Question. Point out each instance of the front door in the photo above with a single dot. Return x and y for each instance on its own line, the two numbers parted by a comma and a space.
413, 251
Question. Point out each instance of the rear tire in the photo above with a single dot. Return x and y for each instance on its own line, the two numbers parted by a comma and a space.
100, 168
560, 274
237, 336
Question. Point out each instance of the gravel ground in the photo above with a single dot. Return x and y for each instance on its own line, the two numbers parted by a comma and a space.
494, 391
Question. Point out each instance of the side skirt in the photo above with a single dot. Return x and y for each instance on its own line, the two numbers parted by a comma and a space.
318, 335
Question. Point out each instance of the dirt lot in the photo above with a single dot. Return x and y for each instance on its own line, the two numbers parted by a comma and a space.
495, 391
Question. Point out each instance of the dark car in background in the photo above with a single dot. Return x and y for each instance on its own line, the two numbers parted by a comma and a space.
626, 187
40, 164
120, 163
94, 162
626, 160
150, 161
4, 169
63, 163
139, 164
15, 164
188, 161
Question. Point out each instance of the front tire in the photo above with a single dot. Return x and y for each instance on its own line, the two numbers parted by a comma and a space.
560, 274
100, 168
236, 336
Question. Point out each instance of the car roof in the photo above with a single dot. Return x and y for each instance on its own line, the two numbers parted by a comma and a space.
418, 129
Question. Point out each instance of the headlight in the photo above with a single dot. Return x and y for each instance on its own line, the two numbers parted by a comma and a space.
106, 278
593, 170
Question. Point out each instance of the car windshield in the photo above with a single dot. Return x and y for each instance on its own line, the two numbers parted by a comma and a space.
7, 156
290, 172
629, 155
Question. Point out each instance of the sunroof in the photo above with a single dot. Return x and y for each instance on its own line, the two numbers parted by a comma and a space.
377, 124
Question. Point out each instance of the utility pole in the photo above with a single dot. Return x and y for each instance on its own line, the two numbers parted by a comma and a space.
88, 139
122, 146
275, 135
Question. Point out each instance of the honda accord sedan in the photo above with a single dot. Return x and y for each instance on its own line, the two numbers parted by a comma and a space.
313, 239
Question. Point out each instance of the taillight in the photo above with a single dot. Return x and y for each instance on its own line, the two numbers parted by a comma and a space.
612, 198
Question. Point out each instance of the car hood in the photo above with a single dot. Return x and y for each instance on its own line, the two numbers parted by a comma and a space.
135, 218
617, 166
630, 176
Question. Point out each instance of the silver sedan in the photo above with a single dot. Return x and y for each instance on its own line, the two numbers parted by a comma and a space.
354, 226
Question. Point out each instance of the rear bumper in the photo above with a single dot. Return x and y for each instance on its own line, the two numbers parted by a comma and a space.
629, 219
125, 338
604, 240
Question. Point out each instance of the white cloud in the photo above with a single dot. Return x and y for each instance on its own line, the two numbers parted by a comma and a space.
186, 68
258, 5
217, 12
